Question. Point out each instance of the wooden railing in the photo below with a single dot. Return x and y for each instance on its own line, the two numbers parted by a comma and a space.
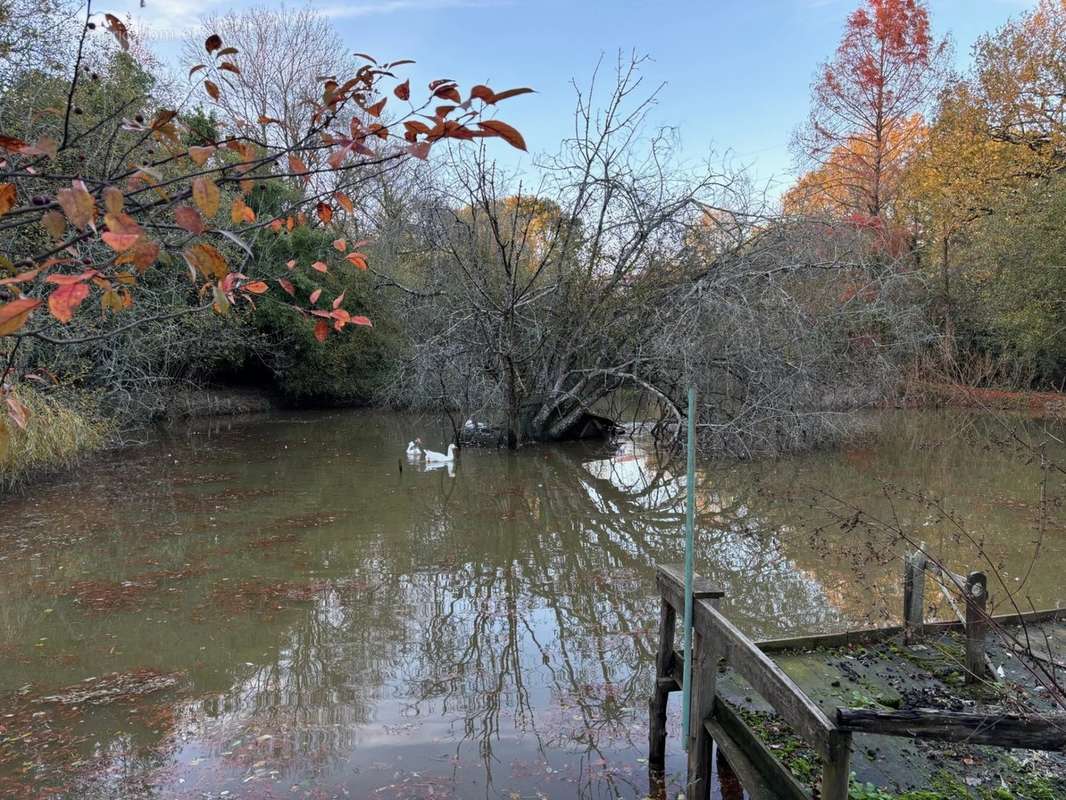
715, 639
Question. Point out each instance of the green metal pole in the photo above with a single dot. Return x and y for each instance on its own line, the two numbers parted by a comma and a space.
690, 527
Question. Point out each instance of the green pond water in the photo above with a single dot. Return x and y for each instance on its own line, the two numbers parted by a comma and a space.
270, 607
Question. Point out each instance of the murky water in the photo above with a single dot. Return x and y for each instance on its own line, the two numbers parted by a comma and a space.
271, 608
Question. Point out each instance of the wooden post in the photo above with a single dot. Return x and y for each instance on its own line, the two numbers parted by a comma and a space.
836, 767
700, 746
913, 595
657, 705
976, 626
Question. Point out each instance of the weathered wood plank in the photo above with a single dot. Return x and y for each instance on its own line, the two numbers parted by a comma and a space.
702, 588
913, 595
976, 626
869, 635
1044, 732
761, 773
704, 683
664, 659
768, 679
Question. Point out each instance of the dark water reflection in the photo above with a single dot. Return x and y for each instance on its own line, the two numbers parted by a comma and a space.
341, 627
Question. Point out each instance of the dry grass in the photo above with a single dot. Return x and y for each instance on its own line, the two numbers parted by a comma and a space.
58, 434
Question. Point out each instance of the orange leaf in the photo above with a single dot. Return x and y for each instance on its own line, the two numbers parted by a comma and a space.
291, 263
240, 212
229, 66
200, 154
287, 286
120, 242
118, 30
340, 244
20, 415
509, 93
315, 295
403, 91
482, 92
338, 300
22, 277
419, 150
113, 200
65, 299
320, 266
321, 330
358, 260
7, 197
13, 315
256, 287
212, 89
324, 211
362, 321
142, 255
207, 260
345, 202
54, 223
206, 196
376, 109
77, 204
189, 219
296, 165
505, 132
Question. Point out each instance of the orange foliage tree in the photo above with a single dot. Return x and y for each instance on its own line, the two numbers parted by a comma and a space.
865, 109
175, 201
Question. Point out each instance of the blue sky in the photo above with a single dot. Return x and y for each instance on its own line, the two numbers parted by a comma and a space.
737, 74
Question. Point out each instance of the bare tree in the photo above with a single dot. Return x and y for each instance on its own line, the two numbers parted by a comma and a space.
285, 54
619, 270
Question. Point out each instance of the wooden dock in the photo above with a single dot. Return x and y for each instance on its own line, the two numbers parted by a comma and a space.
799, 684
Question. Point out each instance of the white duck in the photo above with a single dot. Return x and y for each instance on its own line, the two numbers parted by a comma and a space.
440, 458
414, 449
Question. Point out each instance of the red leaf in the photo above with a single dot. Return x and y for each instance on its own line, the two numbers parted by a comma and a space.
321, 330
189, 219
505, 132
338, 300
65, 299
315, 295
13, 315
403, 91
287, 286
214, 42
362, 321
320, 266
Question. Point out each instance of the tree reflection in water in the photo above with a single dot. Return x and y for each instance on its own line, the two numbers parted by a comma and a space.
342, 626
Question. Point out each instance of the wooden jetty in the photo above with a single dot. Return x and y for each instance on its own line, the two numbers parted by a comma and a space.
721, 650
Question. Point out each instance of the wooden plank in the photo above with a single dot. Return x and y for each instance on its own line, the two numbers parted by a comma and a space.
822, 641
836, 767
768, 679
759, 770
913, 595
704, 682
976, 626
664, 659
1043, 732
702, 588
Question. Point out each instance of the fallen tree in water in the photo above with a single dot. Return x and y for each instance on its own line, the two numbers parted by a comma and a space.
524, 310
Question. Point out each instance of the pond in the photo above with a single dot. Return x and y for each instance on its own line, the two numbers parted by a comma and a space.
272, 607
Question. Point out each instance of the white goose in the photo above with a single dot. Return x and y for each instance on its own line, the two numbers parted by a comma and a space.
414, 449
440, 458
